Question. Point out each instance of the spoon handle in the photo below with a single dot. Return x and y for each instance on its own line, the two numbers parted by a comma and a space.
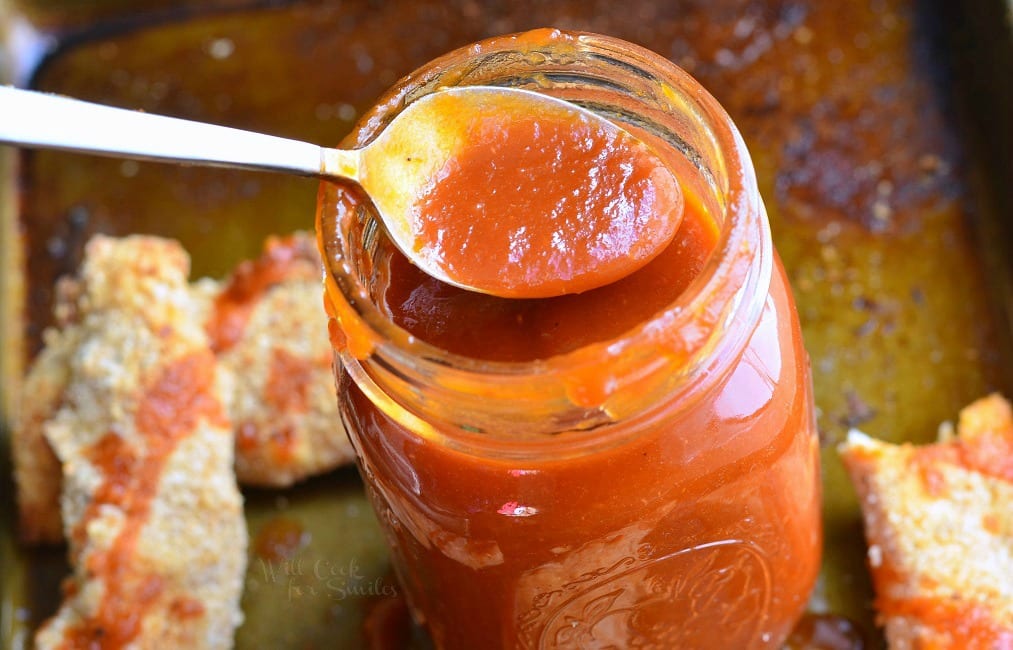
34, 119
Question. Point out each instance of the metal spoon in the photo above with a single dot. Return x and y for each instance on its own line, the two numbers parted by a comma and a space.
395, 169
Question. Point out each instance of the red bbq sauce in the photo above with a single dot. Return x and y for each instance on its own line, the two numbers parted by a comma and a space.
502, 329
250, 281
170, 410
530, 515
542, 204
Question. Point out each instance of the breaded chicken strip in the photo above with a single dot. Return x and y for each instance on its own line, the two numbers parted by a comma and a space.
149, 500
939, 524
268, 328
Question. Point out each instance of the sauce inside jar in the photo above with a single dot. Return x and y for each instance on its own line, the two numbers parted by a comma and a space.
518, 329
668, 511
503, 329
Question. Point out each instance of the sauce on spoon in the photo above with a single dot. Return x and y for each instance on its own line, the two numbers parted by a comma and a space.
541, 200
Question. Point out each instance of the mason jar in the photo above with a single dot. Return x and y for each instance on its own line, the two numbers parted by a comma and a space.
631, 467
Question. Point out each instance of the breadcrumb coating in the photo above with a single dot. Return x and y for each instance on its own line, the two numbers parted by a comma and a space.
150, 506
266, 327
939, 526
269, 324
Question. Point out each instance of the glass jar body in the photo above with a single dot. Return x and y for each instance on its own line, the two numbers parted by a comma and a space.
683, 512
702, 532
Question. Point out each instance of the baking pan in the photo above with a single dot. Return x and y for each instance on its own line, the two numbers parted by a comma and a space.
879, 129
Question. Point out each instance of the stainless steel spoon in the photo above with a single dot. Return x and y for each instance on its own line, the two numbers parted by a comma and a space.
394, 169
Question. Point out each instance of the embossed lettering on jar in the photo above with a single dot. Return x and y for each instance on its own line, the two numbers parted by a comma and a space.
631, 467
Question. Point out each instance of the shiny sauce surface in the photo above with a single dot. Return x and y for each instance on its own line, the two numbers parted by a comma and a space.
538, 203
503, 329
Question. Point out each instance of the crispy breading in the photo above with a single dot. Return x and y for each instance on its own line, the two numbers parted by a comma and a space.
939, 525
149, 500
269, 329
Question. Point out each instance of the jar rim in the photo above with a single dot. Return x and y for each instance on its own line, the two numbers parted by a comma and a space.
743, 249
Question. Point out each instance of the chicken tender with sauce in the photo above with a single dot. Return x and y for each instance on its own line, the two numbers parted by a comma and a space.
268, 328
149, 501
939, 524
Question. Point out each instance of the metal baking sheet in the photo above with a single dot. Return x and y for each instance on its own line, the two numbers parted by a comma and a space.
884, 185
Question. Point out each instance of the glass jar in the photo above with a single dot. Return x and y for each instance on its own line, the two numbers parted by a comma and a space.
644, 474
